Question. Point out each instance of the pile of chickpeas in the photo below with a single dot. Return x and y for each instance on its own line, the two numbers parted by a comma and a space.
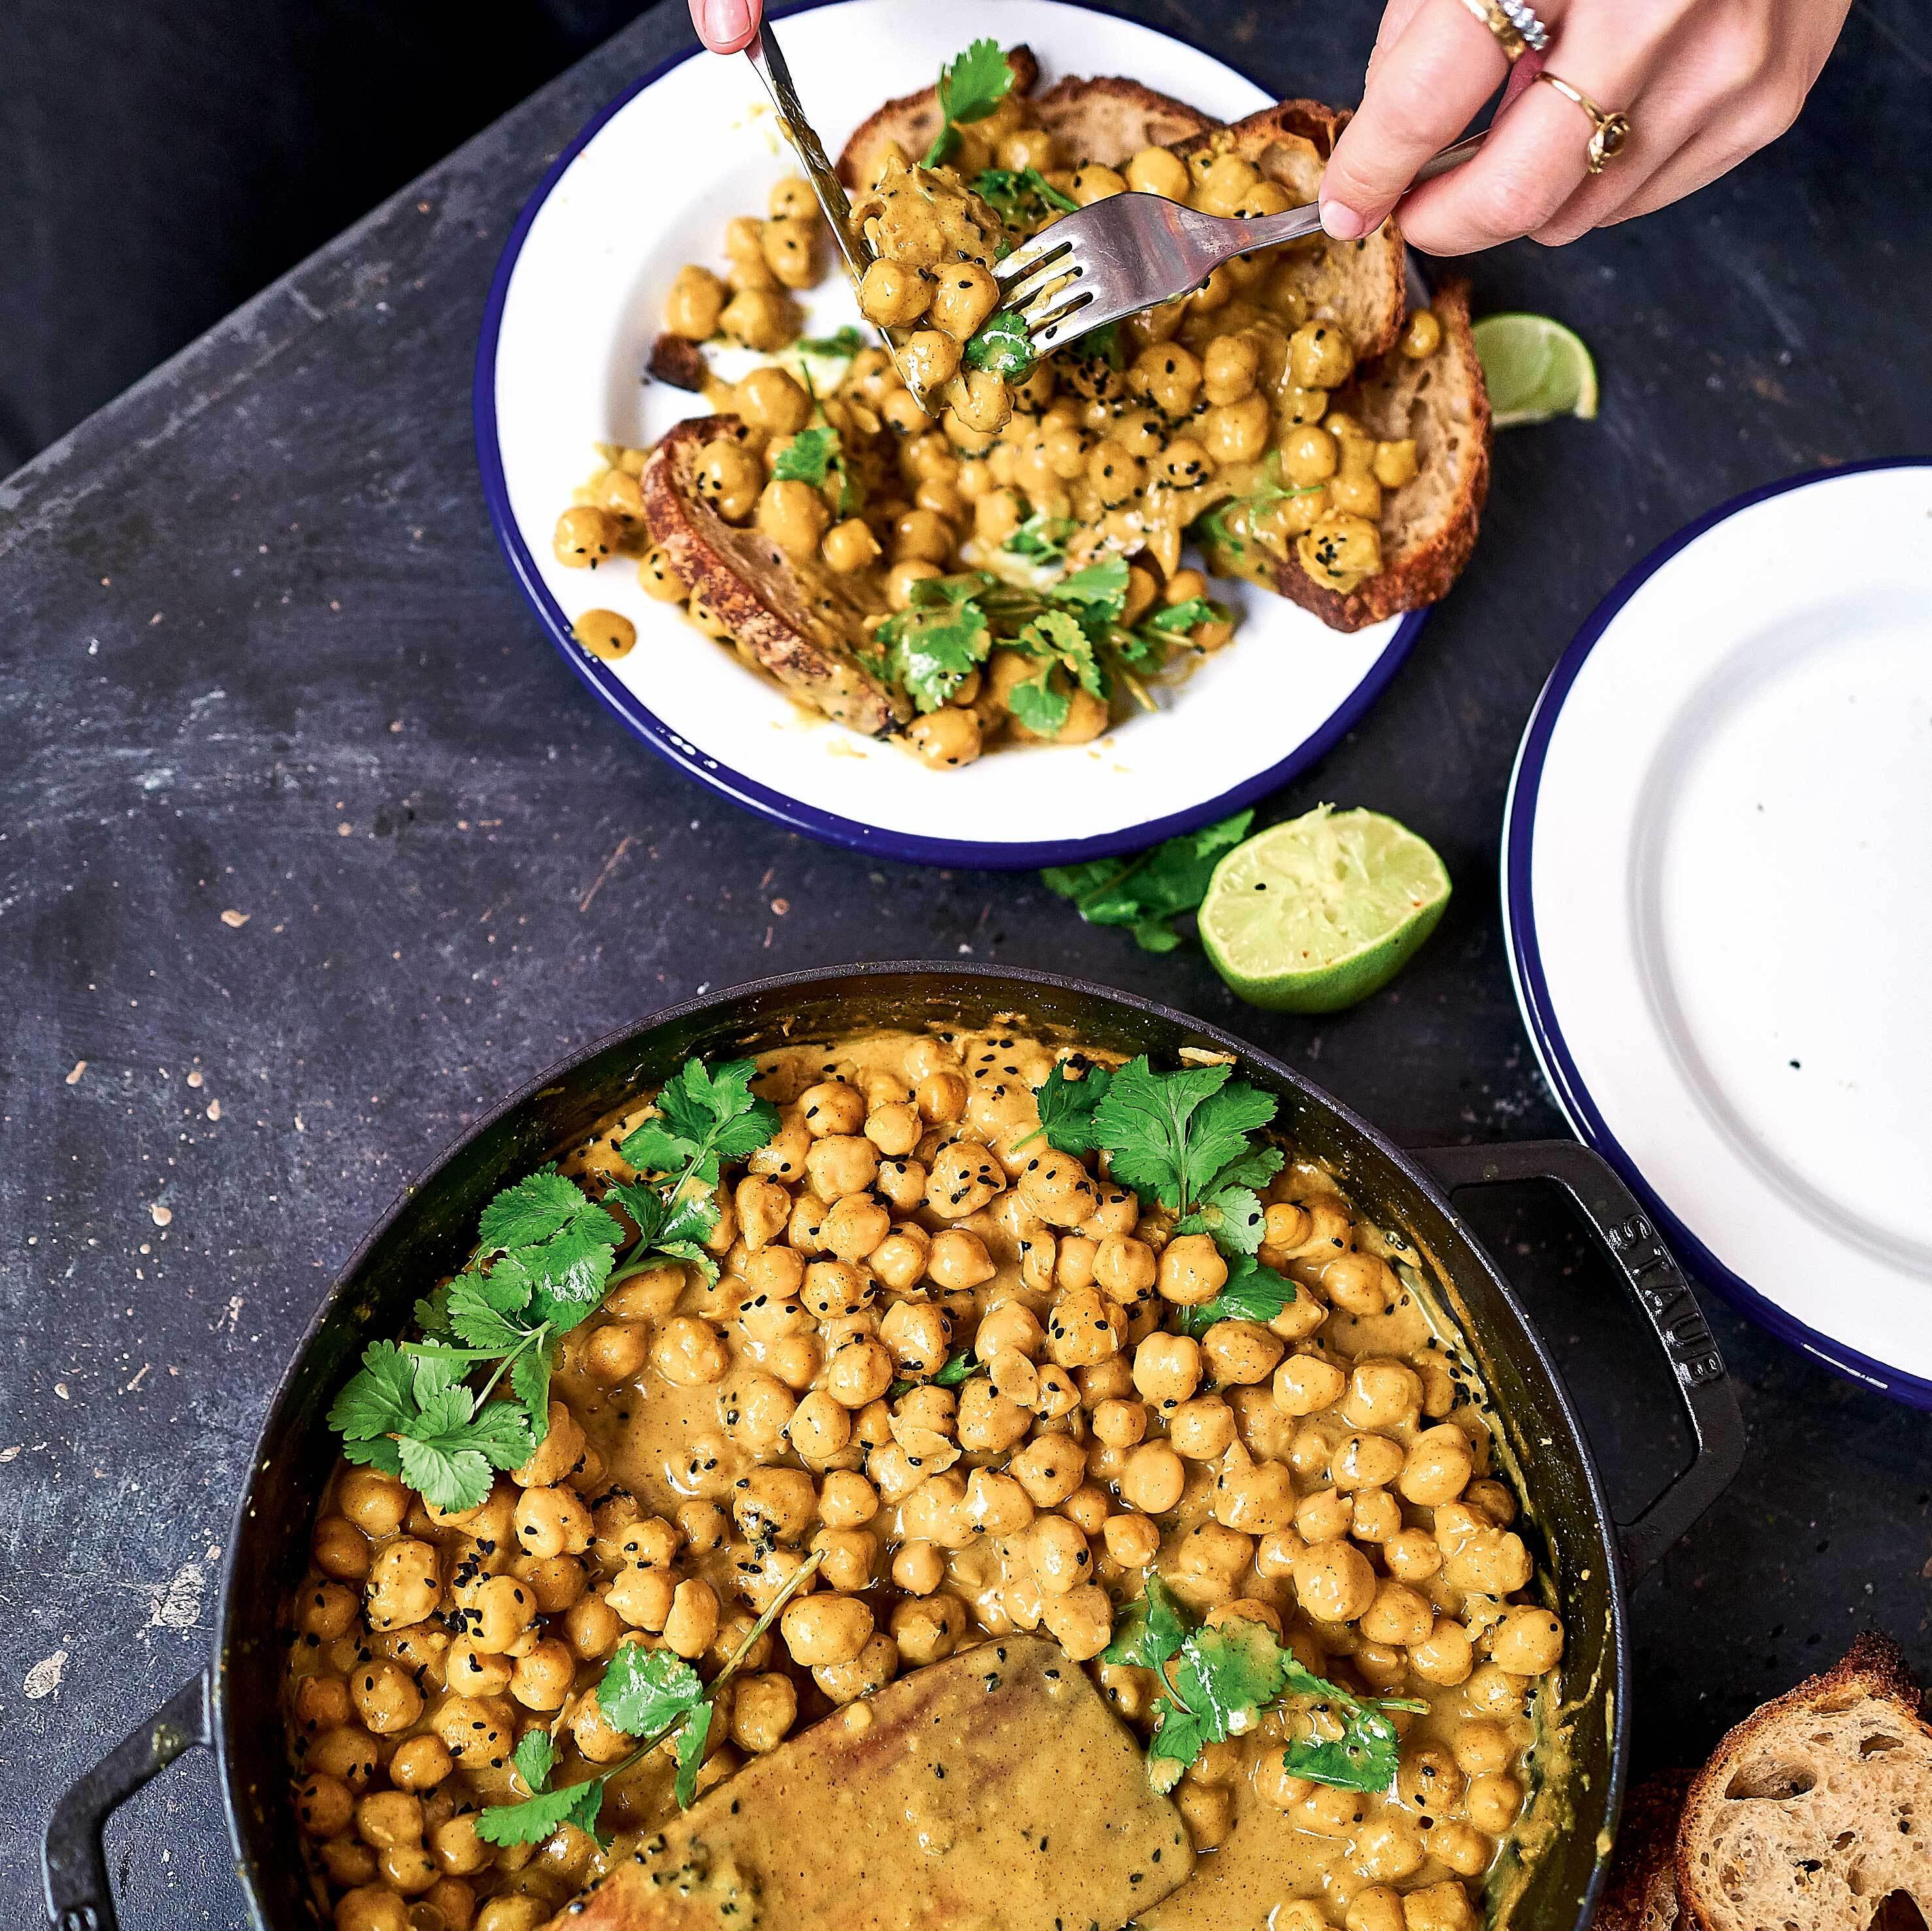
1214, 392
1325, 1474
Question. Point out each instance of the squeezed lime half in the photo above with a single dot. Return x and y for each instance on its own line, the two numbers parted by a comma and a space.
1535, 369
1313, 915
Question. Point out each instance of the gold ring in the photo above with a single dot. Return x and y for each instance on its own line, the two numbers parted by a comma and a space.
1610, 131
1490, 13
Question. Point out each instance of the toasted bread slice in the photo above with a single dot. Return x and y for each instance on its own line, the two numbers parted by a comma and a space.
781, 616
1640, 1893
924, 1808
1428, 526
1817, 1810
1359, 284
1107, 120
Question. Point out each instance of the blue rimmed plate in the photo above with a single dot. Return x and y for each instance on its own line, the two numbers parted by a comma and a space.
1717, 890
648, 186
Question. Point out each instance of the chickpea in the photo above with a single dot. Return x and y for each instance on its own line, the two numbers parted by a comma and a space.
855, 1226
690, 1353
1439, 1907
1057, 1188
658, 575
369, 1907
869, 1671
900, 1260
421, 1763
1412, 1555
727, 478
859, 1371
759, 318
1363, 1461
1081, 1328
989, 1422
1168, 376
1119, 1423
1131, 1541
328, 1610
1081, 1621
1155, 171
1093, 183
1230, 368
643, 1597
1356, 493
1186, 464
1153, 1479
1388, 1849
1201, 1429
511, 1912
403, 1588
1494, 1798
1191, 1270
376, 1502
1399, 1617
820, 1630
965, 1178
321, 1703
1209, 1814
1049, 1468
1058, 1551
386, 1697
1324, 1515
841, 1163
894, 293
1491, 1562
1125, 1268
692, 1627
1359, 1284
918, 1567
966, 294
847, 1500
324, 1806
1320, 355
1167, 1369
1334, 1583
774, 1504
1421, 335
1494, 1690
1237, 431
552, 1521
1240, 1353
957, 1261
1437, 1467
917, 1336
1395, 463
542, 1679
1308, 456
1494, 1501
692, 308
340, 1549
790, 251
1526, 1642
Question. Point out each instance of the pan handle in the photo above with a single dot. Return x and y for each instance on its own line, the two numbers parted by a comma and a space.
73, 1864
1624, 1231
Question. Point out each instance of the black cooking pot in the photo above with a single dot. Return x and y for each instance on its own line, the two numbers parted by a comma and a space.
234, 1706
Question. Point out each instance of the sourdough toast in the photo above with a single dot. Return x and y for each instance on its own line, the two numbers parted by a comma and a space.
1817, 1809
778, 614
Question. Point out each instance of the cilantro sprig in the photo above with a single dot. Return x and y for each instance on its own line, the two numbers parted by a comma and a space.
1216, 1682
1042, 537
1066, 1110
1227, 532
651, 1694
546, 1257
971, 84
1003, 345
1147, 892
1020, 197
959, 1367
814, 454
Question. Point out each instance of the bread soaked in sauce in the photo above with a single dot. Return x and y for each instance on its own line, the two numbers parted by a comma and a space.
995, 1791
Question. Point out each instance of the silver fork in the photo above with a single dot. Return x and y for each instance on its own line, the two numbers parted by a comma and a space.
1135, 251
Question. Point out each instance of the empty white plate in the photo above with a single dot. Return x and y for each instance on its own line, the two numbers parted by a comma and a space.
1717, 889
648, 186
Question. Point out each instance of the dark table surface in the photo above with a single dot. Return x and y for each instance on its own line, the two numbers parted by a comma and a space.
262, 658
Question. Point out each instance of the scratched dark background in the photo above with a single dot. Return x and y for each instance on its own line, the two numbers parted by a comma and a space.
262, 658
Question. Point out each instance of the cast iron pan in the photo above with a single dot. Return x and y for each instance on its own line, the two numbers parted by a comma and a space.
233, 1707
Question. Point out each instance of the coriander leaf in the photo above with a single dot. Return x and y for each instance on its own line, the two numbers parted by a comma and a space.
644, 1692
959, 1367
1066, 1109
533, 1820
1150, 1630
446, 1476
1254, 1168
571, 1271
1144, 1122
1231, 1216
1102, 586
1041, 536
383, 1452
691, 1741
535, 1757
643, 1205
1102, 344
432, 1313
1227, 531
473, 1319
1222, 1678
808, 458
531, 1211
846, 341
970, 86
1002, 346
380, 1400
529, 1378
1251, 1292
1219, 1132
934, 650
704, 1116
1180, 618
1365, 1756
1020, 196
691, 1253
1146, 892
1054, 634
1038, 705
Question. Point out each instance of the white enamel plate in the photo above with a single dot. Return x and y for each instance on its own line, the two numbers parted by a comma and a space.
1718, 889
650, 186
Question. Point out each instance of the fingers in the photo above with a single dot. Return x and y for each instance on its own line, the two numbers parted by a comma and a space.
1536, 158
1396, 17
1427, 82
726, 26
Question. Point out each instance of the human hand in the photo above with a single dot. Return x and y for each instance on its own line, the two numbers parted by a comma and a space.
1704, 83
727, 26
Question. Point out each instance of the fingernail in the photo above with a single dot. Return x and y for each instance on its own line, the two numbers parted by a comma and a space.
1338, 219
726, 21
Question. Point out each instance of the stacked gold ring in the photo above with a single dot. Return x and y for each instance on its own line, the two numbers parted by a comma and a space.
1609, 132
1514, 24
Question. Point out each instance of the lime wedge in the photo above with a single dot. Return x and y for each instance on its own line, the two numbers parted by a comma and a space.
1312, 916
1536, 369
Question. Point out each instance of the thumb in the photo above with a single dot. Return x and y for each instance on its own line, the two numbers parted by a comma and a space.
726, 26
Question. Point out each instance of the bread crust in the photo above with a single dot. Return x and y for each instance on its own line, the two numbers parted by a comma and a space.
758, 593
1874, 1671
912, 120
1638, 1893
1109, 118
1277, 139
1385, 398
